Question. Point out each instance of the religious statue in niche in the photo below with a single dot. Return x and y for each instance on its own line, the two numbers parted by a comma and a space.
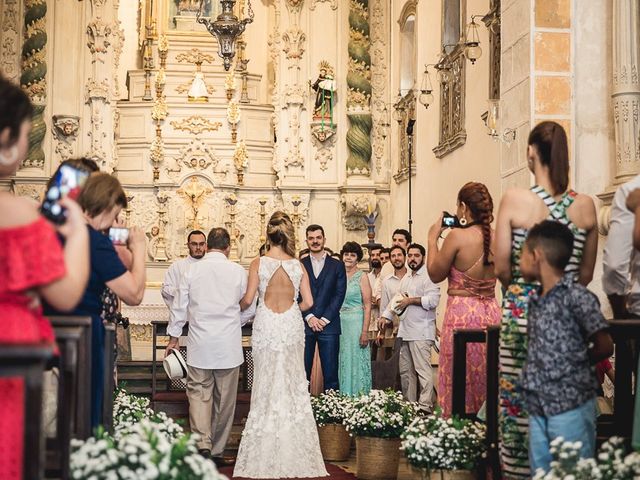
182, 13
325, 88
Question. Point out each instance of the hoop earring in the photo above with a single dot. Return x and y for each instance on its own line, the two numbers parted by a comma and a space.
4, 160
463, 221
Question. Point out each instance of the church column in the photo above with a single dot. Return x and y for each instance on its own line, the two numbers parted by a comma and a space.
34, 76
103, 32
626, 88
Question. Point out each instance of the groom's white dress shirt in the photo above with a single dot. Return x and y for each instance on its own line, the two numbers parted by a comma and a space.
209, 295
172, 278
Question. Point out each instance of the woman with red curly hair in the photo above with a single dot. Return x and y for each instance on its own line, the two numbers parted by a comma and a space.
466, 260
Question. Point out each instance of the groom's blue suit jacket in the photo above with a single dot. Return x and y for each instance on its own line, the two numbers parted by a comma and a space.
328, 291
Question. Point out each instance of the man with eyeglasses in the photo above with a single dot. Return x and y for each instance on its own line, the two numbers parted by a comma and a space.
197, 243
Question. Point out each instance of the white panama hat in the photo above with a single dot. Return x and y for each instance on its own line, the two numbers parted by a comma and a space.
175, 366
395, 304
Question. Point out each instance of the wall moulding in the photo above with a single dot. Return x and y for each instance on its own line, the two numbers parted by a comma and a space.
332, 3
196, 125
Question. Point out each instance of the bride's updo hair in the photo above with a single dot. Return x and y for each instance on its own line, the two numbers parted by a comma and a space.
280, 232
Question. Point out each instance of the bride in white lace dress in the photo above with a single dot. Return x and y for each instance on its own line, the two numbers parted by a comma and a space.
280, 438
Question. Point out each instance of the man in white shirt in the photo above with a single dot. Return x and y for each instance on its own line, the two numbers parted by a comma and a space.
390, 287
197, 244
375, 266
209, 295
417, 328
621, 262
400, 238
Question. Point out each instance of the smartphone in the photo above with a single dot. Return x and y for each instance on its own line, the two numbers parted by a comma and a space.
119, 235
450, 221
68, 181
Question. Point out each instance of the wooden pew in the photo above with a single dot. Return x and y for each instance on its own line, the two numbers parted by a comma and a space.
73, 417
386, 373
626, 337
491, 337
28, 362
109, 378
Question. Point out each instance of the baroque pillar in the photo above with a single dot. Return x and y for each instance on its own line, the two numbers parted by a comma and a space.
626, 88
34, 76
359, 94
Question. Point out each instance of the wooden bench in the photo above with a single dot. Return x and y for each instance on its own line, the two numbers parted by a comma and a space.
28, 362
73, 417
386, 373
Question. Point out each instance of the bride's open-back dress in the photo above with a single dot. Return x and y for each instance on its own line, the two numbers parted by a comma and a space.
280, 438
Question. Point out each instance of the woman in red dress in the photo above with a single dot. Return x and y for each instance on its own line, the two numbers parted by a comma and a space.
33, 265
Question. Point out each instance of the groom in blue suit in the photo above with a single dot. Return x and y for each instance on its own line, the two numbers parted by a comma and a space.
322, 322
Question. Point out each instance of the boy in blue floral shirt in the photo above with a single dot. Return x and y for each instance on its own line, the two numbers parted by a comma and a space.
567, 337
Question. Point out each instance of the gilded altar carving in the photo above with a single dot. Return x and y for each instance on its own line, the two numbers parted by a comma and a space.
354, 209
184, 88
379, 80
9, 52
195, 191
194, 56
240, 161
198, 156
29, 190
233, 117
293, 48
332, 3
98, 33
196, 125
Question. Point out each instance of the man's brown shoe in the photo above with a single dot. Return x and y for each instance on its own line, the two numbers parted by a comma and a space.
224, 461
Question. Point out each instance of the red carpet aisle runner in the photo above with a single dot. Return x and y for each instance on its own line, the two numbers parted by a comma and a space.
334, 471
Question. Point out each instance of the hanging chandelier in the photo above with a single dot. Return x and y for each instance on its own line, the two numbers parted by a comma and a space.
226, 28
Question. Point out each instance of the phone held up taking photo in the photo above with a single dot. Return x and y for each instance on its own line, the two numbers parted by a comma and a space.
67, 183
119, 235
450, 221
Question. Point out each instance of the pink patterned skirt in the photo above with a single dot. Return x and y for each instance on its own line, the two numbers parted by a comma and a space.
465, 312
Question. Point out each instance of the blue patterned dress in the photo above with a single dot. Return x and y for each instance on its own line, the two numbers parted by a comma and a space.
513, 418
354, 370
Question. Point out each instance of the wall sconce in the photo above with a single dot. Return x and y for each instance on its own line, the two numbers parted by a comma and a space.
472, 48
226, 28
443, 67
426, 89
398, 108
491, 120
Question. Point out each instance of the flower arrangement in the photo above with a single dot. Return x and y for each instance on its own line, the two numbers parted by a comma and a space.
438, 443
330, 407
382, 414
145, 445
611, 463
128, 410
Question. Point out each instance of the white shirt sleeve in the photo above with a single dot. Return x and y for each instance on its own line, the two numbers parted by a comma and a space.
179, 308
619, 247
169, 285
431, 297
246, 315
384, 302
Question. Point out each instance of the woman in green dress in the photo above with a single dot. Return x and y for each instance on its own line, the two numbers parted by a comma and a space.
354, 370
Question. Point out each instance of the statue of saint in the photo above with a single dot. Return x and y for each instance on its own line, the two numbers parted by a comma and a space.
325, 88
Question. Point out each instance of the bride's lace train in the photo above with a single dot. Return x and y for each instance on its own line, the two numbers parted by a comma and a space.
280, 438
